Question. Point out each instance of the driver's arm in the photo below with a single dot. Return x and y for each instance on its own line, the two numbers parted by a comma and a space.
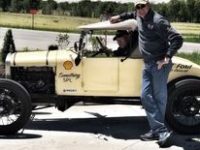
116, 53
120, 52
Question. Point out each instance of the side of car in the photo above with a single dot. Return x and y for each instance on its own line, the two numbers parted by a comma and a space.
63, 77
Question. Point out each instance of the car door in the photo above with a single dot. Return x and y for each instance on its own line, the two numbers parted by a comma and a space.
112, 77
100, 75
130, 77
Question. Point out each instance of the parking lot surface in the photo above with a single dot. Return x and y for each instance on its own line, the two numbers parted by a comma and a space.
93, 127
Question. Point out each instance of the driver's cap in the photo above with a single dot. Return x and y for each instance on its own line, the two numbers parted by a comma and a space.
120, 33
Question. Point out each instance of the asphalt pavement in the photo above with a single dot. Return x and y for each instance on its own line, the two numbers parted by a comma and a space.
93, 127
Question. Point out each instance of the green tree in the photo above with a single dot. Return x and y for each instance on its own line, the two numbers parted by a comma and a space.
120, 8
26, 6
162, 8
197, 11
34, 4
174, 8
130, 7
183, 12
5, 4
191, 6
8, 46
48, 6
16, 5
85, 8
63, 8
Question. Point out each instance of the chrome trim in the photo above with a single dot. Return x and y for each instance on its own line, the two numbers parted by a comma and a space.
14, 57
47, 55
8, 66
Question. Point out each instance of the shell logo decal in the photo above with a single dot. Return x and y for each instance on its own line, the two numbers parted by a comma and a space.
68, 65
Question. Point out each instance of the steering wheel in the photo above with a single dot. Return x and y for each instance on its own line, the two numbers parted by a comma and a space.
103, 48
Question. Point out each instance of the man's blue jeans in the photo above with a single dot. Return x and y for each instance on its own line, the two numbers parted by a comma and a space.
154, 94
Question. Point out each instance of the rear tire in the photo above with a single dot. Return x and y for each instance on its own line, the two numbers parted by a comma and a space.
15, 106
183, 107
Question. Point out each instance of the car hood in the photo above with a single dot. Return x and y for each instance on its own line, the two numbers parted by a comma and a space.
184, 68
39, 58
130, 24
179, 60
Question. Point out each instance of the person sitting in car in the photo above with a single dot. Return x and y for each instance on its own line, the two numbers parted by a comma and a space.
127, 42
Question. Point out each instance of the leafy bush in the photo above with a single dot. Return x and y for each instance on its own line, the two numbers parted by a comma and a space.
8, 46
63, 40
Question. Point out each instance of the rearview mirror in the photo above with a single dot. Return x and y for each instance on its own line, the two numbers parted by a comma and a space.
76, 46
77, 60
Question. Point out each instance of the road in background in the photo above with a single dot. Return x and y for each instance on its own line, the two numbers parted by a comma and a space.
93, 127
32, 40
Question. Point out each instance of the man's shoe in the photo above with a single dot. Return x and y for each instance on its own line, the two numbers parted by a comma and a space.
149, 136
165, 139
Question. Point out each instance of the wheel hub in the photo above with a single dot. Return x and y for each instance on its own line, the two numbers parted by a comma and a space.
190, 106
7, 105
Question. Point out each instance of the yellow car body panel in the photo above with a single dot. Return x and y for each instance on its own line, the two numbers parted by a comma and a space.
33, 58
104, 76
99, 77
183, 68
96, 76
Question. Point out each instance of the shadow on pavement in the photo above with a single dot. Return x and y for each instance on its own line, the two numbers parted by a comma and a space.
117, 127
41, 113
191, 142
20, 136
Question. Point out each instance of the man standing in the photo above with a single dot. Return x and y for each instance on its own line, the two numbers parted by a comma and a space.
158, 42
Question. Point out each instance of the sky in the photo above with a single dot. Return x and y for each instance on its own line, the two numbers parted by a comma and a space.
122, 1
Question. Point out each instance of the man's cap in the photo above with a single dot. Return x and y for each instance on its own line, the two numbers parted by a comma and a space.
120, 33
137, 2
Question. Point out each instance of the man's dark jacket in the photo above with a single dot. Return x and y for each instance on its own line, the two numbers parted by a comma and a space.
157, 39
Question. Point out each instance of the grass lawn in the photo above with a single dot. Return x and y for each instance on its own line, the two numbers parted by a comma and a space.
194, 57
44, 22
190, 31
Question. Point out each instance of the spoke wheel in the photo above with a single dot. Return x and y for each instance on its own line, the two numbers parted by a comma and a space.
15, 106
183, 108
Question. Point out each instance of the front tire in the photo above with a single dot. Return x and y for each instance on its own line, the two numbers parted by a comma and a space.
183, 107
15, 106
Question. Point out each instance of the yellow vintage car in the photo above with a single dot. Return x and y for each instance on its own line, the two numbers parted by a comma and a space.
87, 72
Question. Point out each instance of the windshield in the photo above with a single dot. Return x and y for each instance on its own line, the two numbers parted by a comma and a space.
122, 44
91, 43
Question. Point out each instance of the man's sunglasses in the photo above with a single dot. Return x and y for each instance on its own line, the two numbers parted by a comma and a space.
141, 6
